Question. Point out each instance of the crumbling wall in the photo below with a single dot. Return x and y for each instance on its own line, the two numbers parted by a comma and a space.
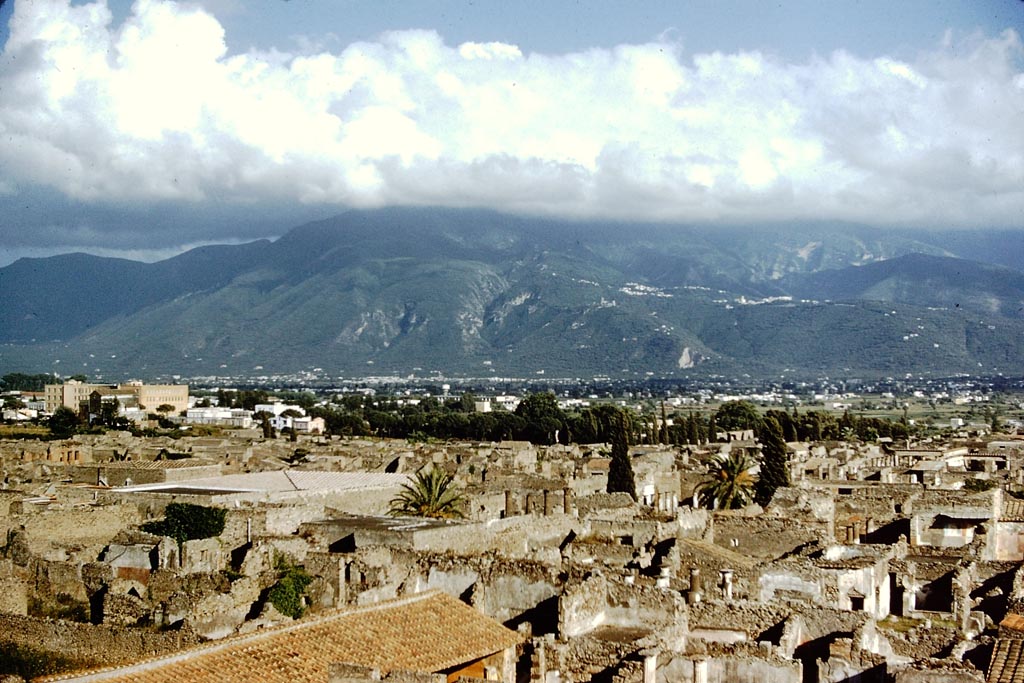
218, 615
583, 606
78, 526
595, 600
792, 584
1015, 604
13, 596
746, 666
695, 523
766, 537
508, 590
771, 621
103, 644
1007, 542
938, 675
353, 673
513, 599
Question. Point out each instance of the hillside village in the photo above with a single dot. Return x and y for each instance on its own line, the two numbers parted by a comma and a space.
883, 560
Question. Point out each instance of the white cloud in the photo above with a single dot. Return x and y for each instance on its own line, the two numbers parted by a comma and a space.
157, 109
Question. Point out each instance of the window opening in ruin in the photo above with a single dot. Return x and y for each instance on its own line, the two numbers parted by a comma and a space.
936, 596
345, 544
895, 595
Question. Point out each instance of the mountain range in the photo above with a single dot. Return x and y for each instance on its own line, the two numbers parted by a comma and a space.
476, 293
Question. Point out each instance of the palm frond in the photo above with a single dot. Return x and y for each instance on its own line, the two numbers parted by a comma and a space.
430, 493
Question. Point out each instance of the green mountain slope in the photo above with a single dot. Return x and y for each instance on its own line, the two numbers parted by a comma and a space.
401, 291
923, 280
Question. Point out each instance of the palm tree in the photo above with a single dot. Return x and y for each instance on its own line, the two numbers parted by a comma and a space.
729, 485
429, 494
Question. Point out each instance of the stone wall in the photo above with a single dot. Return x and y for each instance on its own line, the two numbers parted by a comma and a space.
759, 621
735, 668
13, 596
600, 601
765, 537
353, 673
77, 525
694, 523
1007, 543
938, 675
582, 606
512, 591
104, 645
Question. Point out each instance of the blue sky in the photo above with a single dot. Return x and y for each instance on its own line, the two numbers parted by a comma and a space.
795, 29
139, 129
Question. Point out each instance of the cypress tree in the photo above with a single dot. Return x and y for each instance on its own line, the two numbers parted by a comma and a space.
774, 470
712, 429
663, 432
620, 470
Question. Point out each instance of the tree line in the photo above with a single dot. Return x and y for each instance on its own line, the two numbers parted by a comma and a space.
20, 381
540, 420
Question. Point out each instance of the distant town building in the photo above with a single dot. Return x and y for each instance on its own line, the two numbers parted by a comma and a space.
276, 408
148, 397
225, 417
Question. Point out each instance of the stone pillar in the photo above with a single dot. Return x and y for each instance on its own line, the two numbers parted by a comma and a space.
664, 578
910, 590
694, 595
538, 662
567, 501
549, 503
961, 608
700, 671
510, 504
650, 665
341, 595
508, 665
727, 584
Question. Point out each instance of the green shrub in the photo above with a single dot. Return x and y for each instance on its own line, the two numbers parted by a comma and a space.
187, 522
232, 575
979, 485
286, 594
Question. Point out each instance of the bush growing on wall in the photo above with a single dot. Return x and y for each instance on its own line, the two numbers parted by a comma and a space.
187, 522
286, 594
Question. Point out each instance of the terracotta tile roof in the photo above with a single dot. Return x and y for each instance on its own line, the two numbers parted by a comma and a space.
1013, 510
428, 632
1014, 622
1006, 665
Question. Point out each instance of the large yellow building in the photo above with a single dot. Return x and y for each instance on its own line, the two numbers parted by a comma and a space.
72, 394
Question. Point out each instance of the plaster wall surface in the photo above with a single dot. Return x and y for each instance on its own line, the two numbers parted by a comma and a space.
713, 668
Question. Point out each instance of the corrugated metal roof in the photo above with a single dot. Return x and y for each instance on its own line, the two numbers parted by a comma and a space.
292, 480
